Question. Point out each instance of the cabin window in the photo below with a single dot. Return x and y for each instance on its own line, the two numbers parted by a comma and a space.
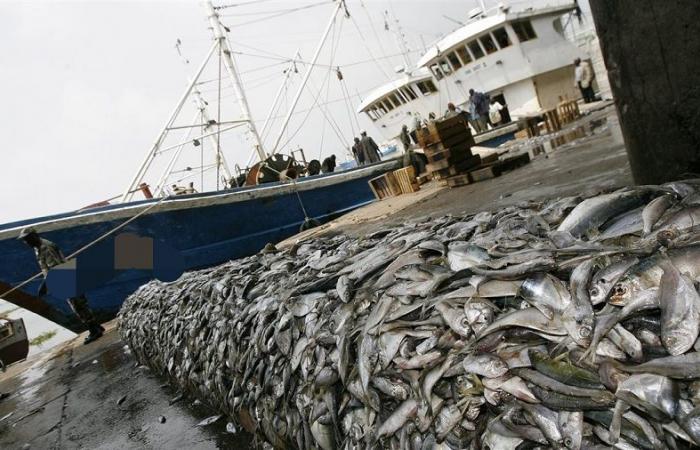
489, 45
408, 92
502, 38
435, 69
454, 60
381, 108
426, 87
523, 29
395, 99
387, 104
476, 50
464, 55
371, 114
445, 66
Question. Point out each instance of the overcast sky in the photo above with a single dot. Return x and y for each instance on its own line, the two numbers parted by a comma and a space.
88, 85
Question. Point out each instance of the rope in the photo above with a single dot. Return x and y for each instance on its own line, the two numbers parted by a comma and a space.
89, 245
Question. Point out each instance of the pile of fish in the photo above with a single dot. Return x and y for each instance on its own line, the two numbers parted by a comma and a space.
570, 323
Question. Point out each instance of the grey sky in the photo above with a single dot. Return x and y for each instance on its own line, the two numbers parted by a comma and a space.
89, 84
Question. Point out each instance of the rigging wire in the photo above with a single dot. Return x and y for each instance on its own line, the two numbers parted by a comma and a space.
280, 14
374, 31
234, 5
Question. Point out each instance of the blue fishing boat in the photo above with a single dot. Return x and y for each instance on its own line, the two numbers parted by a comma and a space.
207, 229
264, 203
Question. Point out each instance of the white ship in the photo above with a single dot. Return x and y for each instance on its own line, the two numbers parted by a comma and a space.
519, 54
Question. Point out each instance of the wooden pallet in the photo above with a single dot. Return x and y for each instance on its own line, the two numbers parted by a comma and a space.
458, 180
422, 179
440, 172
568, 111
406, 178
454, 155
496, 169
385, 186
448, 132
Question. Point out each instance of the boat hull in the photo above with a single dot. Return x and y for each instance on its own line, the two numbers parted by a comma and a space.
206, 229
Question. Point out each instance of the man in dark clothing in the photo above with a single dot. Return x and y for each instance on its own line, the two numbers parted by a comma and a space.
370, 148
358, 153
405, 138
328, 164
480, 113
48, 255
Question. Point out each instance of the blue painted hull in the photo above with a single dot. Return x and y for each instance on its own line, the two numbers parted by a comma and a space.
207, 229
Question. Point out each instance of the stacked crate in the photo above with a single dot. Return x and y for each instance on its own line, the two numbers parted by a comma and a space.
447, 145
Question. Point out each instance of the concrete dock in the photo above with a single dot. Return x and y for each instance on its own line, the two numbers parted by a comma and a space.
96, 396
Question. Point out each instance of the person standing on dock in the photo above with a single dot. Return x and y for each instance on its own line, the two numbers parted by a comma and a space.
583, 78
48, 255
370, 148
358, 153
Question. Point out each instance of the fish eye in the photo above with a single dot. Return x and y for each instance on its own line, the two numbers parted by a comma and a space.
568, 442
585, 331
594, 291
620, 289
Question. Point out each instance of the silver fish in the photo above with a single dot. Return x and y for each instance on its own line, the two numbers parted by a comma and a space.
680, 310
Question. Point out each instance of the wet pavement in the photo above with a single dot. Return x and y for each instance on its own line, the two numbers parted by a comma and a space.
70, 399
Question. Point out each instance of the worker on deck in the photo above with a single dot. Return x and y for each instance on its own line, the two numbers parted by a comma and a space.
479, 110
495, 116
452, 111
178, 190
328, 164
358, 153
48, 255
190, 189
583, 78
370, 148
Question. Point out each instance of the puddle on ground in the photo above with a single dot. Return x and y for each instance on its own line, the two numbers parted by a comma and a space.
567, 137
113, 357
29, 378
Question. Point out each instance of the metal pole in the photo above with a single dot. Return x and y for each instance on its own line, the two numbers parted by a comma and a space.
159, 140
306, 76
218, 31
168, 169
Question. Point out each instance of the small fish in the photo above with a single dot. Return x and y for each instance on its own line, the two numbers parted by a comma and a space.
485, 365
345, 288
209, 420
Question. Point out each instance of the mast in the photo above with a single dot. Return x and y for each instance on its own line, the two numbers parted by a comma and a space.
307, 75
128, 193
220, 37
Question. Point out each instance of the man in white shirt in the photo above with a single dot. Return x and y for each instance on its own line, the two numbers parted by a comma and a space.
583, 77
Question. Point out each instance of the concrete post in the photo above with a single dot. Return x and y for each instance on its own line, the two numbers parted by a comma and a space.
651, 52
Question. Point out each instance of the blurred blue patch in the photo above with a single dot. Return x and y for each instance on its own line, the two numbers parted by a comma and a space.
111, 257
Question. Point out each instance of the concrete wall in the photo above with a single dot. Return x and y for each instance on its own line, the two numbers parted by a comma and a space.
521, 98
651, 53
555, 84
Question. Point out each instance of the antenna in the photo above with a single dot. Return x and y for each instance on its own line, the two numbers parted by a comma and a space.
400, 38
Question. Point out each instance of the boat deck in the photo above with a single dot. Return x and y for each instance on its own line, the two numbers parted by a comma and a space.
68, 397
